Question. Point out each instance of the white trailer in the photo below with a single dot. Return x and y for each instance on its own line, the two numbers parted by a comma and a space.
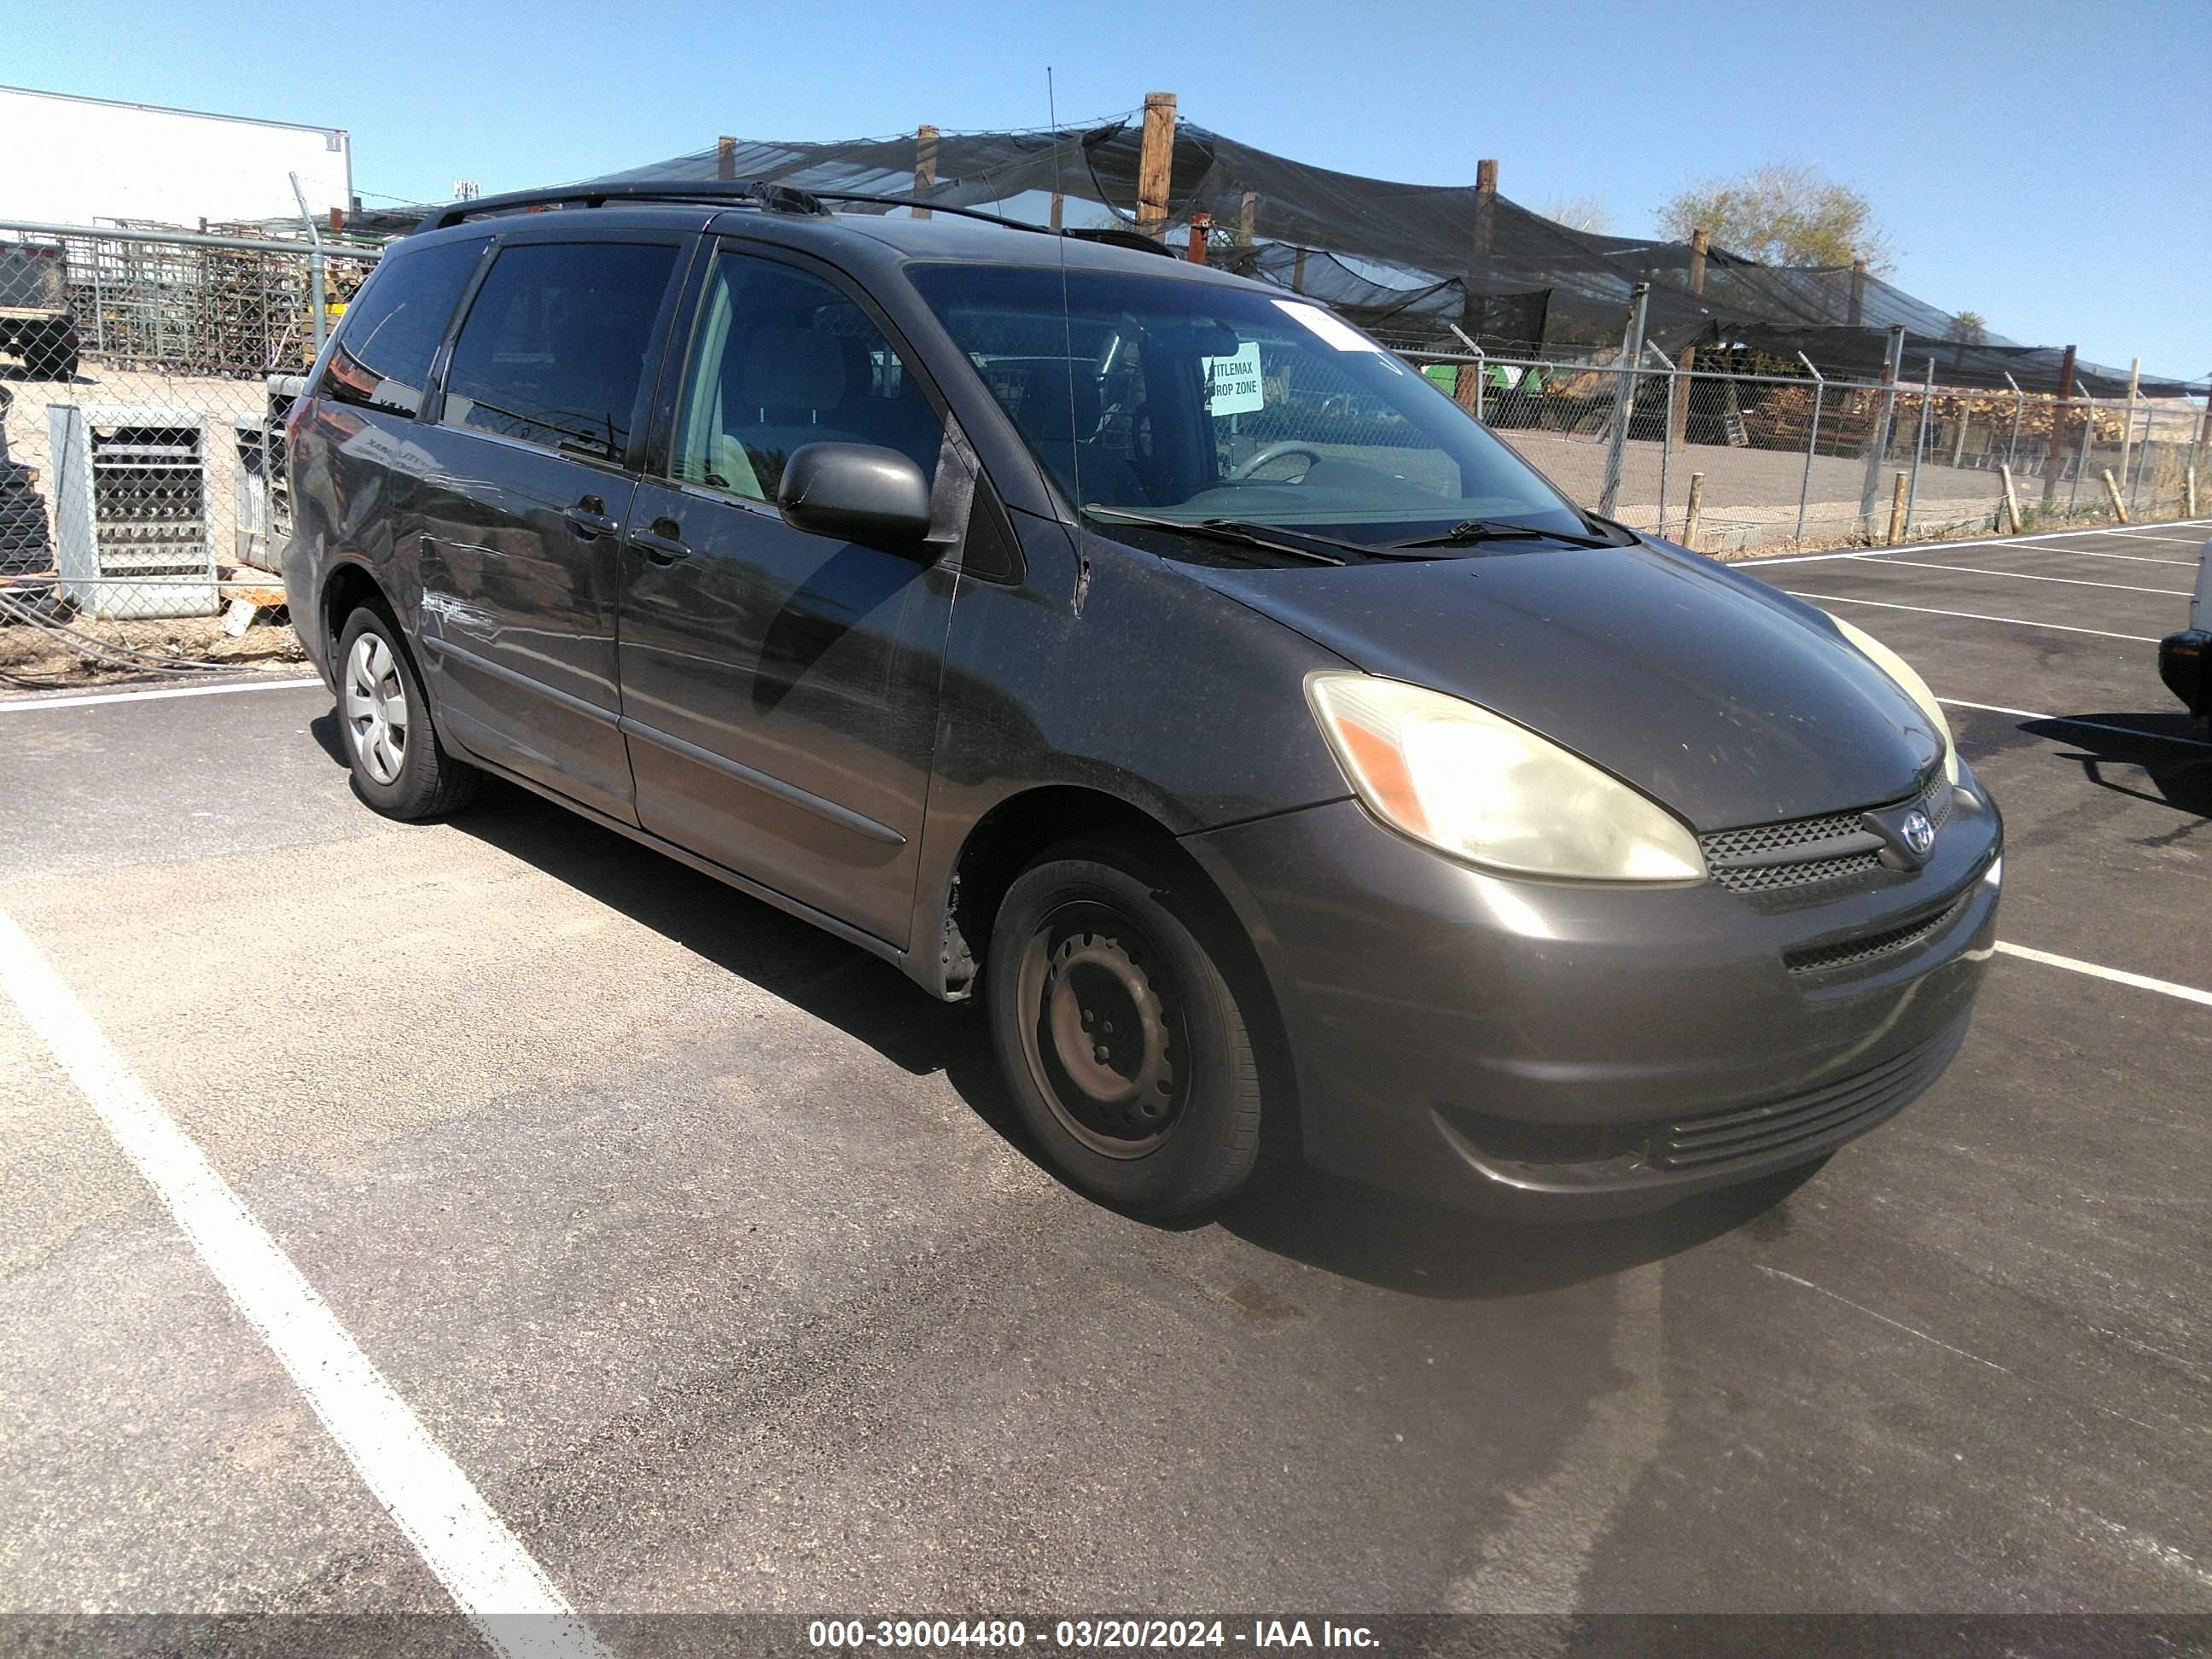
74, 159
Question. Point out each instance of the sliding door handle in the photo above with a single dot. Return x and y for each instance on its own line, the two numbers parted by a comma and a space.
590, 516
659, 544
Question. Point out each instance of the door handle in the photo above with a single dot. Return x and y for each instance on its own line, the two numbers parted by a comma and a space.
590, 516
658, 544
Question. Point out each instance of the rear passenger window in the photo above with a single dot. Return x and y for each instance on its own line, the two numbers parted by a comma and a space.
382, 358
555, 344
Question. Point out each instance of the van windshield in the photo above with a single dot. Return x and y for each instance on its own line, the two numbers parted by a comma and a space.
1197, 400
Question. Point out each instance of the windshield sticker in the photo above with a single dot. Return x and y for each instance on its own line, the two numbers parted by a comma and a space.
1232, 384
1338, 334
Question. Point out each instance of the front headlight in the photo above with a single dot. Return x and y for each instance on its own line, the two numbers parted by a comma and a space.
1908, 683
1473, 784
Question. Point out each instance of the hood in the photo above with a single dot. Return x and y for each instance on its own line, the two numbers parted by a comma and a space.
1710, 692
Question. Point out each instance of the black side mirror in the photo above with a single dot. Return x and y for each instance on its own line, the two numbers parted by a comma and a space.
857, 493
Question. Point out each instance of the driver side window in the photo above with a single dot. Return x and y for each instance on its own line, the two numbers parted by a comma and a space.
780, 358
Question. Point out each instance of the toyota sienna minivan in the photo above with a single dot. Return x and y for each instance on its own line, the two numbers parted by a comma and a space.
1145, 652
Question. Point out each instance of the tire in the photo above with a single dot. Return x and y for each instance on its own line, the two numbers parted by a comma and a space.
399, 767
1120, 1038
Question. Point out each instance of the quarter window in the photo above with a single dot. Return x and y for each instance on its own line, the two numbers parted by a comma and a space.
382, 358
554, 345
780, 359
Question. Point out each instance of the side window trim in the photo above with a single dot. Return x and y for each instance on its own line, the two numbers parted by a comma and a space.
432, 391
434, 394
632, 461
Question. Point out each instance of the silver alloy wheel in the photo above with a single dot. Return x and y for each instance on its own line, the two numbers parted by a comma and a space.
376, 707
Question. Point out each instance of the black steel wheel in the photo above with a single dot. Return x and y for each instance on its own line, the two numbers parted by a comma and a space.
1121, 1037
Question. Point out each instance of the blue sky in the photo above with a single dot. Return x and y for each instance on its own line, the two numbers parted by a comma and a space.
2048, 165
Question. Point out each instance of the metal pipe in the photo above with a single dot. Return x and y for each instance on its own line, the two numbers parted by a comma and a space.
314, 263
180, 239
1811, 441
1665, 448
2082, 465
1919, 444
2018, 403
1624, 397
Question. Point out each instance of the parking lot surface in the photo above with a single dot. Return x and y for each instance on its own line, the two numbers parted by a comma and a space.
707, 1250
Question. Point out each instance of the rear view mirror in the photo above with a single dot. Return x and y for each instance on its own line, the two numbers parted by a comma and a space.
855, 492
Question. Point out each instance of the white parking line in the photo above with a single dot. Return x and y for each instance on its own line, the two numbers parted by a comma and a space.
2116, 975
1970, 615
2024, 576
2152, 536
1939, 547
28, 704
2130, 558
493, 1581
2069, 720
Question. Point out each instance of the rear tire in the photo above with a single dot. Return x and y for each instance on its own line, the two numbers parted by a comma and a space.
1120, 1036
399, 767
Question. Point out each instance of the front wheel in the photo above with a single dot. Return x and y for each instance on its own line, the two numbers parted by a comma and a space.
399, 766
1121, 1037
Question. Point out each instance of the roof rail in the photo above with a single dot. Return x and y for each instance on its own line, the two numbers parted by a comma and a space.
749, 193
721, 192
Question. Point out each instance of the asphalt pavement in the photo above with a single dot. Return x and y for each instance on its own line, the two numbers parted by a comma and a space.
708, 1249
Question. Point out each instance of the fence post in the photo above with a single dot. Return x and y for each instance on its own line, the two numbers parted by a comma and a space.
1690, 512
1893, 364
2128, 434
1678, 414
2113, 494
1897, 509
1919, 444
1155, 164
1812, 442
2188, 490
2019, 403
1624, 397
1669, 365
2058, 410
314, 263
2011, 501
2081, 461
1473, 403
2142, 463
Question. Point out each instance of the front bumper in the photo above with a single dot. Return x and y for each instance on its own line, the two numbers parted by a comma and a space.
1575, 1048
2184, 663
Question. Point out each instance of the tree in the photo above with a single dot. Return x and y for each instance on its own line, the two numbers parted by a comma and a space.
1968, 328
1786, 213
1578, 213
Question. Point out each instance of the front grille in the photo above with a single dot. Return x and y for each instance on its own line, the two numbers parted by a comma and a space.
1842, 1109
1850, 952
1765, 858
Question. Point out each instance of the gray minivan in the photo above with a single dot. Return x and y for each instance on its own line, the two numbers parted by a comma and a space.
1283, 761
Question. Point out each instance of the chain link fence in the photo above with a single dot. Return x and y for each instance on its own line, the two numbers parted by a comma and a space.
145, 373
1730, 460
145, 376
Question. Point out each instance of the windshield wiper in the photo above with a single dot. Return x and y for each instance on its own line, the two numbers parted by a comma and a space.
1231, 529
1472, 531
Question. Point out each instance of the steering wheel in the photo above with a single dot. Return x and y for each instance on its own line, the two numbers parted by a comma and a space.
1274, 453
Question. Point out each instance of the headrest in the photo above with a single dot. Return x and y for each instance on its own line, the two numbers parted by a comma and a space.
1045, 405
791, 368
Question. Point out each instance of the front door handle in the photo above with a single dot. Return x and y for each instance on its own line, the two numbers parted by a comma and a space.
662, 543
590, 516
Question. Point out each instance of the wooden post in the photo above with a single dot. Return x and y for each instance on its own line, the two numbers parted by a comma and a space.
1298, 273
1200, 224
1155, 165
2113, 494
1855, 314
1897, 511
725, 157
2011, 502
2058, 417
1248, 213
2188, 490
1059, 211
1478, 260
1691, 513
924, 166
1701, 243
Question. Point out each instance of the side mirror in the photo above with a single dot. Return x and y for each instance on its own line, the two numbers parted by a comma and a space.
855, 492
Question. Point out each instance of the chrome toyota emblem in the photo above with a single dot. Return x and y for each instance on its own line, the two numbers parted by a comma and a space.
1919, 834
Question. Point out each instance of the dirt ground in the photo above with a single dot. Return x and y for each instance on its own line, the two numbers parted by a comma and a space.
31, 659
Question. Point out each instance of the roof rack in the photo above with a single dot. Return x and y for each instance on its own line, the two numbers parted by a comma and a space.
721, 192
750, 193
